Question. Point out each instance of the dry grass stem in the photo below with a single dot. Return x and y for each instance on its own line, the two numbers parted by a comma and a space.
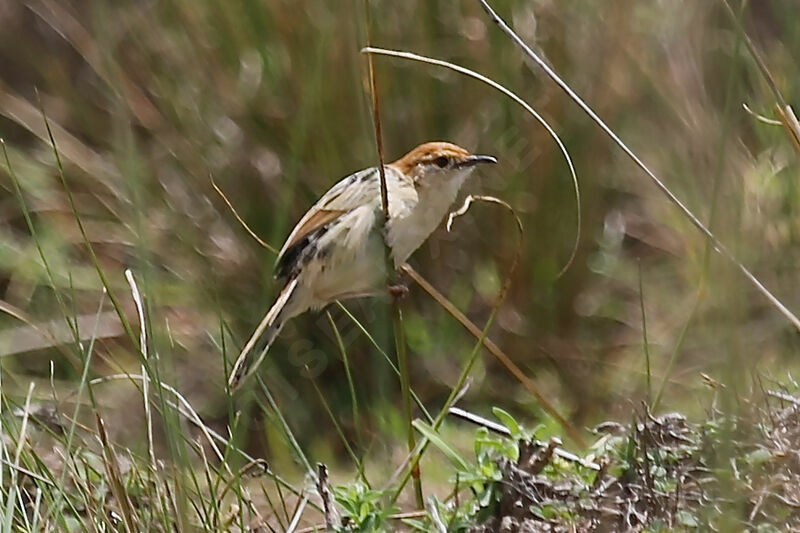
471, 73
690, 216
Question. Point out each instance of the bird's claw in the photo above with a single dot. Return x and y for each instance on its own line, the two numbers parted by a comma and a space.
398, 291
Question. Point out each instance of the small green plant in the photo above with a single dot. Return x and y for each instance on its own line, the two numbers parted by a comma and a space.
362, 508
484, 476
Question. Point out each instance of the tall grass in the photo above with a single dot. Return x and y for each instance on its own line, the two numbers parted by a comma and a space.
146, 100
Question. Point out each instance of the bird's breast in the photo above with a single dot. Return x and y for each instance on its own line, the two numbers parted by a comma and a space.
409, 229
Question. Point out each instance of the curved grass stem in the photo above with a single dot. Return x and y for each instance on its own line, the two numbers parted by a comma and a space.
687, 213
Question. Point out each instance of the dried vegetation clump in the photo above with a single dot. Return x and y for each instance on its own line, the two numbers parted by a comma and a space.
663, 473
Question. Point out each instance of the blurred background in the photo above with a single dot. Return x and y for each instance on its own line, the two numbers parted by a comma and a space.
148, 100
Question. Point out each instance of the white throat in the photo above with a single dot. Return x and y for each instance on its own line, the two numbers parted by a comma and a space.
407, 233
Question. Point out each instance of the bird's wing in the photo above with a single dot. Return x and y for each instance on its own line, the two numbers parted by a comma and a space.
314, 219
349, 193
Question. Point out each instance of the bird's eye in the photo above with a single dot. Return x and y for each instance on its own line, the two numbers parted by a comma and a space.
441, 161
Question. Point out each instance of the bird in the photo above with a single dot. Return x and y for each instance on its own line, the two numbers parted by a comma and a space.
337, 250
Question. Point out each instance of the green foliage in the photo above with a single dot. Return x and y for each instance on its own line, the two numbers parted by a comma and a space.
485, 474
362, 508
434, 438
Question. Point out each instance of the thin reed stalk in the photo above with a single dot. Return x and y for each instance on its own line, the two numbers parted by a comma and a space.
391, 275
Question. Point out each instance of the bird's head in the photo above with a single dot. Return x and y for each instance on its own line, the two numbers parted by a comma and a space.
437, 162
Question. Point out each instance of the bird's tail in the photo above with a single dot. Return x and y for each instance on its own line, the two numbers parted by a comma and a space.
263, 336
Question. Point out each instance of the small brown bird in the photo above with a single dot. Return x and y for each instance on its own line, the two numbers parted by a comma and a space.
336, 251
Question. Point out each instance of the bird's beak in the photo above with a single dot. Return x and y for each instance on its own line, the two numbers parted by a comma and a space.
477, 159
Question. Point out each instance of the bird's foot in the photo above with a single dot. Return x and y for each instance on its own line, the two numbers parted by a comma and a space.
398, 291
